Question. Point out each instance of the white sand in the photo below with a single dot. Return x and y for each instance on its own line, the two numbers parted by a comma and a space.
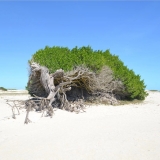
128, 132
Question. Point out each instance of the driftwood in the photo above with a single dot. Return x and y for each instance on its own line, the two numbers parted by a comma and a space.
67, 91
15, 104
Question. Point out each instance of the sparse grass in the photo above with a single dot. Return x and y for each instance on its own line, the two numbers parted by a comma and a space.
154, 90
125, 102
120, 102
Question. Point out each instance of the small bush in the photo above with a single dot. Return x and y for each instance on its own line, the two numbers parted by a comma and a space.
3, 89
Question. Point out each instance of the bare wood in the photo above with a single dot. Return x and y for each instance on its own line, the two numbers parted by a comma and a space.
51, 90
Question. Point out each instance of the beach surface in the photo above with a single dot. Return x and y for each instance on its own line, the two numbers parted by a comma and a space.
125, 132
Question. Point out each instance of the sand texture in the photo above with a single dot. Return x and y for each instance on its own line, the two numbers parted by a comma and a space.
126, 132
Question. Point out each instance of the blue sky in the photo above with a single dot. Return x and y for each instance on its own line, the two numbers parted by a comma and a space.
130, 29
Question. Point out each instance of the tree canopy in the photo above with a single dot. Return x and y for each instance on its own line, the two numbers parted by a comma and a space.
56, 57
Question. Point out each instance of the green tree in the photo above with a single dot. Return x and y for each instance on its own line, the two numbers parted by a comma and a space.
62, 57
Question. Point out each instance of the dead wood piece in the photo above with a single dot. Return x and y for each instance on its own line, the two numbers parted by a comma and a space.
15, 104
68, 90
30, 105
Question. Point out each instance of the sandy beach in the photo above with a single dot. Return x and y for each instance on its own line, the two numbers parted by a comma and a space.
126, 132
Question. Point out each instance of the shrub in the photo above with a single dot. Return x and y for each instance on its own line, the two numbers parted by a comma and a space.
67, 59
3, 89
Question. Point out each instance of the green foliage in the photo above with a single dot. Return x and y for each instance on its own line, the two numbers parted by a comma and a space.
3, 89
62, 57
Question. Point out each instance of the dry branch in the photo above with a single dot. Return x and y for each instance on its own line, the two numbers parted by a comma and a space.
67, 91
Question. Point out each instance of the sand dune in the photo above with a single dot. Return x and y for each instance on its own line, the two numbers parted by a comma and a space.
127, 132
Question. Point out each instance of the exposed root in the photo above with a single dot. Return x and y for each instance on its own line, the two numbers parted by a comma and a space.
67, 91
15, 104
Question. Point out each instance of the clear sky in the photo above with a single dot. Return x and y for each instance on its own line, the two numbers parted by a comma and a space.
130, 29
